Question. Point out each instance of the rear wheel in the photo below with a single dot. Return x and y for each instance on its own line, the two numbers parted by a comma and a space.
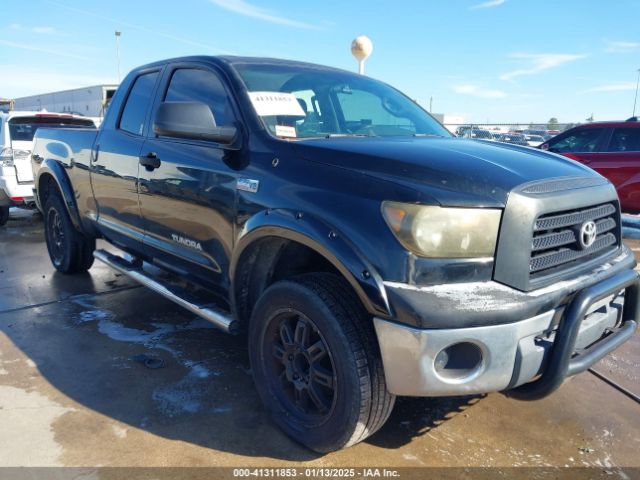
69, 250
316, 362
4, 215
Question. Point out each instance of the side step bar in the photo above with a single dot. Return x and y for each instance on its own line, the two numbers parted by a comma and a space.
216, 316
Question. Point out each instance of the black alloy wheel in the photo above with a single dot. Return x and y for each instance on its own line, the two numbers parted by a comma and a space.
302, 368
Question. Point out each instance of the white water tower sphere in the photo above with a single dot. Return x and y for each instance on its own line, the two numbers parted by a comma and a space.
361, 48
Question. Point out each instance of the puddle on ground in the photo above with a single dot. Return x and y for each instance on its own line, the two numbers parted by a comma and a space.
186, 396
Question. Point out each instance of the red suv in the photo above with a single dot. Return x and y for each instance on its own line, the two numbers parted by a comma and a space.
612, 149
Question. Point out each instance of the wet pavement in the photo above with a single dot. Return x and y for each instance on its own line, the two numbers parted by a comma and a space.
75, 391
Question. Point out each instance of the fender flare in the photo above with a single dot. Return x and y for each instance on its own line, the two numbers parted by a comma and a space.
323, 239
60, 177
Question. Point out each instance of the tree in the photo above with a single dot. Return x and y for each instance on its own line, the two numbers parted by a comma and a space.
553, 124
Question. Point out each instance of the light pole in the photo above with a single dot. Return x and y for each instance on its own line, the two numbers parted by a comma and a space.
635, 101
118, 52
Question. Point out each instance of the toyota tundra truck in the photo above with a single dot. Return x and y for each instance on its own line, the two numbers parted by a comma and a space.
363, 250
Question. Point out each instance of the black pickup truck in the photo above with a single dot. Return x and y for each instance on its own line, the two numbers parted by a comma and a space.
364, 251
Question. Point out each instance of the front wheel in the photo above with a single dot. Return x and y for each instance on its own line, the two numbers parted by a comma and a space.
69, 250
316, 362
4, 215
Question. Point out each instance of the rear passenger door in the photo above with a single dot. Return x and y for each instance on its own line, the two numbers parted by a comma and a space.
114, 167
188, 201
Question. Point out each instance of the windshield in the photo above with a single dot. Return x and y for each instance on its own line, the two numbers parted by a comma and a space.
307, 101
22, 129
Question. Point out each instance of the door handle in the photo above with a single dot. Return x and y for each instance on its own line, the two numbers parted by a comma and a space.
150, 161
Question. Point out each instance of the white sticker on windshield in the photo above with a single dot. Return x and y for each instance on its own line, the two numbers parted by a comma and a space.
276, 103
285, 131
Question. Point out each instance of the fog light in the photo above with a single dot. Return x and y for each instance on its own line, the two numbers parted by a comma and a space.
458, 361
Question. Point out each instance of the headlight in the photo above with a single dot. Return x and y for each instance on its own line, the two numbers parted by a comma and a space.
444, 232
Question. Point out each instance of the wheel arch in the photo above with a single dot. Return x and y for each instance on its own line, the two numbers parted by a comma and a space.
52, 177
304, 241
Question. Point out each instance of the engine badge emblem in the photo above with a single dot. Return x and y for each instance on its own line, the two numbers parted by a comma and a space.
588, 232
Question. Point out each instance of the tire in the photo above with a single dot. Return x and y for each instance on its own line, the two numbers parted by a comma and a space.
316, 362
69, 250
4, 215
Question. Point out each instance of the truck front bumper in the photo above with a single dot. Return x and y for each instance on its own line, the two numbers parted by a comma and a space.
530, 356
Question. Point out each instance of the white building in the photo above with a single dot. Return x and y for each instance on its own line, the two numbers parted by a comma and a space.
88, 101
449, 120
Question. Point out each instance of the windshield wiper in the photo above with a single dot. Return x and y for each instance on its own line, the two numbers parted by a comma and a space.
346, 135
427, 135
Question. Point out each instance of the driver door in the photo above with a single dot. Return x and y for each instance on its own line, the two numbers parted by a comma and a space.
188, 202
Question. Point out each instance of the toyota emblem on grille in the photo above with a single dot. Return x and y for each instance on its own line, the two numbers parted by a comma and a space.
588, 232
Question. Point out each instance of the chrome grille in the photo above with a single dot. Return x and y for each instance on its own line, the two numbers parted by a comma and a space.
555, 237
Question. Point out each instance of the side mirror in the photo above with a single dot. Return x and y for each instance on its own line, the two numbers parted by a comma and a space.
544, 146
191, 120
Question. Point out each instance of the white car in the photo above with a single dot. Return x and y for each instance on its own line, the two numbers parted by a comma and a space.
16, 142
534, 140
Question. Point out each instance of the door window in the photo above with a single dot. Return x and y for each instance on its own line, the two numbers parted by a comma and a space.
582, 141
135, 110
625, 140
194, 85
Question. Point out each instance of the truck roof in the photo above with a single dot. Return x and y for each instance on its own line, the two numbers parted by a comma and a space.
232, 59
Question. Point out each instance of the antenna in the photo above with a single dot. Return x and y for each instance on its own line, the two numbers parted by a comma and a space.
118, 52
361, 48
635, 101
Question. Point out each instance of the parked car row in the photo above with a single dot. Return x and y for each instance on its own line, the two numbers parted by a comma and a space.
475, 131
524, 137
17, 129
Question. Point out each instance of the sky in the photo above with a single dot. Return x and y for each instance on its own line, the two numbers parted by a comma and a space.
486, 60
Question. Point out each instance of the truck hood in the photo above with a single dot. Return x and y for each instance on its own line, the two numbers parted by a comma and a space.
449, 171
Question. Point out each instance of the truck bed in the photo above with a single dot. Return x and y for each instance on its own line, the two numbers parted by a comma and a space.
65, 145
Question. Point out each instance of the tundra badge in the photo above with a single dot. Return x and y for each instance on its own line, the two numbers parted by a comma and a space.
247, 185
186, 241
